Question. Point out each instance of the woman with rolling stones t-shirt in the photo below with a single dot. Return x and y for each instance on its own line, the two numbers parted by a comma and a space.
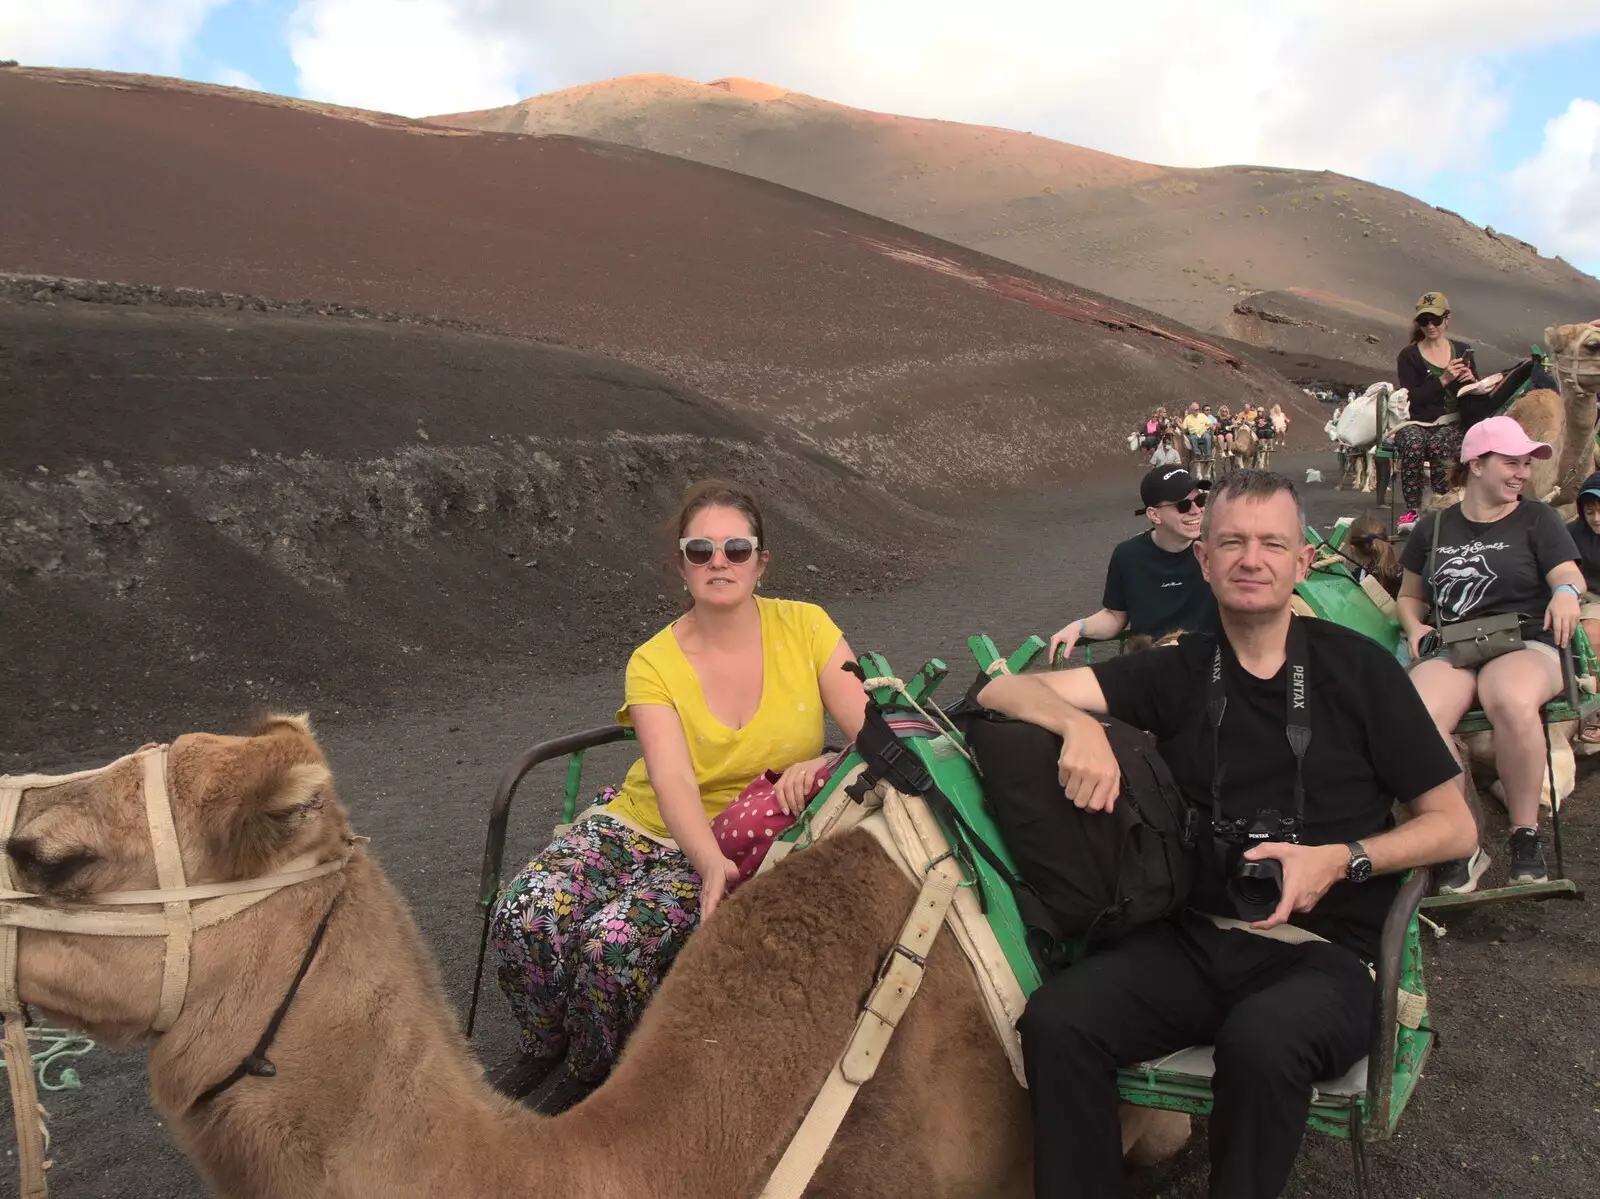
1495, 553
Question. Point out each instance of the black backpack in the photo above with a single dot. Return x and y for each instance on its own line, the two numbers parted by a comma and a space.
1097, 874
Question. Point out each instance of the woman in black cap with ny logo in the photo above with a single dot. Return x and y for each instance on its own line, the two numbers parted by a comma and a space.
1154, 584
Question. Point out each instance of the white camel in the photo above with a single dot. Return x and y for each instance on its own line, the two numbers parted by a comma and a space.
1357, 429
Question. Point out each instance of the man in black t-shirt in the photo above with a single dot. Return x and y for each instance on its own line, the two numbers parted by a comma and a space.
1287, 1000
1153, 584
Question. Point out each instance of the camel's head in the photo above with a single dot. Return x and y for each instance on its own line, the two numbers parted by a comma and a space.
1577, 353
242, 807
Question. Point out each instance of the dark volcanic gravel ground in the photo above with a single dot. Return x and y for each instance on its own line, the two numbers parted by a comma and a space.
1509, 1103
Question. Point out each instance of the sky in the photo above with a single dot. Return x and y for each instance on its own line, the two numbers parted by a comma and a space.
1487, 107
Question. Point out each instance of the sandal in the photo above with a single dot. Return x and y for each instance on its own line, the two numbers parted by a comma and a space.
1590, 735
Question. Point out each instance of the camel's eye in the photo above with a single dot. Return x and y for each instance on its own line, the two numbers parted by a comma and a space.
49, 871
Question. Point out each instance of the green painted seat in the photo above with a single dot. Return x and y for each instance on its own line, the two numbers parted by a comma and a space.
1363, 1105
1331, 592
1575, 703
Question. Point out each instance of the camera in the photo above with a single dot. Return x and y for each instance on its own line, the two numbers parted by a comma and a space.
1255, 888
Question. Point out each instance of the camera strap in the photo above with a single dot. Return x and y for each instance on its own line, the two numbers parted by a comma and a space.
1297, 719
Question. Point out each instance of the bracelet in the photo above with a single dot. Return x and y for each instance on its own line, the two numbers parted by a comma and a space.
1083, 626
1576, 594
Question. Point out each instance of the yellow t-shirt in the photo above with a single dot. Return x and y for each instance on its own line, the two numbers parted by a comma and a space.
797, 639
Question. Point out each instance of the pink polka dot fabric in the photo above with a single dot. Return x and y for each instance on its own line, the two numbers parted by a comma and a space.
747, 827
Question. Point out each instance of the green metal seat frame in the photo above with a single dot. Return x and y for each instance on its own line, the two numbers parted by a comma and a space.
1332, 593
1361, 1113
1396, 1051
1573, 704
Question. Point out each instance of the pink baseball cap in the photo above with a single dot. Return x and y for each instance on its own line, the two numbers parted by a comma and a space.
1501, 435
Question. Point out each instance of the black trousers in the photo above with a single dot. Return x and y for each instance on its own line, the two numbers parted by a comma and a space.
1282, 1017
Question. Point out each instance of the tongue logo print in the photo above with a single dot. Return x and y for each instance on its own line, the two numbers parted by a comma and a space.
1460, 584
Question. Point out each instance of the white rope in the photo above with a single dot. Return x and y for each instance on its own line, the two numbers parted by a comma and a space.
898, 685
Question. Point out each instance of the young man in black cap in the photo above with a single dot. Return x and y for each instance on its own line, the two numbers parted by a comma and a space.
1586, 536
1276, 718
1153, 584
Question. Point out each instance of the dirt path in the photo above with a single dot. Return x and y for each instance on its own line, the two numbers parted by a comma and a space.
1510, 1102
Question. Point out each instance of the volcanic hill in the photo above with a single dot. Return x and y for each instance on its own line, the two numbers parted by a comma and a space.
235, 469
894, 352
1306, 261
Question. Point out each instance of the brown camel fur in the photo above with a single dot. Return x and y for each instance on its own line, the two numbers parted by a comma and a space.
1564, 420
376, 1092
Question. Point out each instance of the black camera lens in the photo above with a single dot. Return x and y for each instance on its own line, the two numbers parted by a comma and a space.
1256, 888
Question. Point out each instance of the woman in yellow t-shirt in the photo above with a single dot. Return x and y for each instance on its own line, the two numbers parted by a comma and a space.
736, 686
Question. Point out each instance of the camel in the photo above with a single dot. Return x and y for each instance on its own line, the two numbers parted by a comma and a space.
1244, 446
1565, 419
1357, 430
376, 1093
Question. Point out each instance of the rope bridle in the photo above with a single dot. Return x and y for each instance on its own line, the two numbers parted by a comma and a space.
185, 909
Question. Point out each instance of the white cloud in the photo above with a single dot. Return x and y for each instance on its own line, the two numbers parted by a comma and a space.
1351, 86
408, 56
1555, 194
233, 77
130, 35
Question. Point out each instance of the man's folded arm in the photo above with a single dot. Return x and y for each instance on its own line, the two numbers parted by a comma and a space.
1052, 701
1441, 829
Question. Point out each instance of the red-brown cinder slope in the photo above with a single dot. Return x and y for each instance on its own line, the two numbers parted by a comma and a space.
884, 345
1200, 246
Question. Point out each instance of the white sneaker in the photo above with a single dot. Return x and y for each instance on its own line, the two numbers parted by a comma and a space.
1461, 876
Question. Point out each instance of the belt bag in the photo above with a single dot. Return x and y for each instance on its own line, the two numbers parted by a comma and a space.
1473, 642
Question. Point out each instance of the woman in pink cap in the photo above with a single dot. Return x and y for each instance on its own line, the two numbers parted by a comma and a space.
1494, 553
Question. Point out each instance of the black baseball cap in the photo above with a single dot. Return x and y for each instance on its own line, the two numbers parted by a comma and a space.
1591, 486
1167, 485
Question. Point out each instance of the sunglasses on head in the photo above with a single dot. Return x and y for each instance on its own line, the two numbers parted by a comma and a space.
698, 551
1427, 320
1182, 506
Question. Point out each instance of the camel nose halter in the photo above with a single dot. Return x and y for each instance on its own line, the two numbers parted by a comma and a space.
184, 910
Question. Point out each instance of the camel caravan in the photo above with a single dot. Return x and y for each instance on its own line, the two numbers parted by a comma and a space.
819, 1034
1564, 418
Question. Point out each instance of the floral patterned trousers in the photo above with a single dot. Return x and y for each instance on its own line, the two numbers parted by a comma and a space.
1437, 445
585, 934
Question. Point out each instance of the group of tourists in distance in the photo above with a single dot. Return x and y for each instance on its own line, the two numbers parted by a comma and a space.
728, 704
1204, 433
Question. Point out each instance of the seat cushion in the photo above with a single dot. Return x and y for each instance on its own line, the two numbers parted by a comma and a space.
1196, 1064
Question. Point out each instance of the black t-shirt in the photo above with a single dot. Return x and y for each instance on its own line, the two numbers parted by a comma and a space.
1372, 742
1588, 544
1430, 396
1487, 569
1162, 591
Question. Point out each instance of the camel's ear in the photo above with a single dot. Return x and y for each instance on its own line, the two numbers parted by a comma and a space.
1550, 337
273, 809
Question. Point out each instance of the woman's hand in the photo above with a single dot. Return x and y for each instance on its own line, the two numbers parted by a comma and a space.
794, 784
1414, 640
1460, 371
718, 876
1088, 770
1561, 617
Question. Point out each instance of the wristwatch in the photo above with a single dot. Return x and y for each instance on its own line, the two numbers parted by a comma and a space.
1360, 868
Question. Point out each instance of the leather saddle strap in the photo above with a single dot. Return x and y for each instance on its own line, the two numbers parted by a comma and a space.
169, 876
19, 1057
896, 987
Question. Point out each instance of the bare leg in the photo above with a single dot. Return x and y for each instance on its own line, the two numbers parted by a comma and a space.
1447, 693
1513, 688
